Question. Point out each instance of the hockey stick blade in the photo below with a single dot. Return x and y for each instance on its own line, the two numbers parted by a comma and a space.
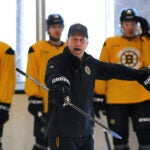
114, 134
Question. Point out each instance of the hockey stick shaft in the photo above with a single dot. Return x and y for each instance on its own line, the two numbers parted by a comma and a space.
105, 132
114, 134
40, 114
107, 140
72, 105
32, 79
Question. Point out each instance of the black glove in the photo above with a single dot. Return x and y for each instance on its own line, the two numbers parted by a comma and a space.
59, 90
99, 103
145, 27
60, 93
35, 105
144, 77
4, 112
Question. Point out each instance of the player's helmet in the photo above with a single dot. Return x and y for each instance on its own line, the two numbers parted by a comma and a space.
54, 19
128, 14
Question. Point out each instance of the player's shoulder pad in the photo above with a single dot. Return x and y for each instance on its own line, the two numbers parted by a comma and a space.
112, 39
31, 50
104, 44
10, 51
35, 47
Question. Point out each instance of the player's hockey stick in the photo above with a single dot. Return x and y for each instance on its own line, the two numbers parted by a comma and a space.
105, 133
67, 102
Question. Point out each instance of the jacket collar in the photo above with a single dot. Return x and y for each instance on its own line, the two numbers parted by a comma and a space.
73, 59
70, 57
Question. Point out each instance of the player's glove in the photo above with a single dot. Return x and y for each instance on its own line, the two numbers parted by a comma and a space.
145, 27
35, 105
4, 112
99, 103
59, 90
144, 77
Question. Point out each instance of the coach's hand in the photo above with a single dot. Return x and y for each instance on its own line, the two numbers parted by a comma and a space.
59, 90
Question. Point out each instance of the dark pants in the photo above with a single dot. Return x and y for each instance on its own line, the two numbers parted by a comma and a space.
1, 130
71, 143
118, 120
39, 132
1, 134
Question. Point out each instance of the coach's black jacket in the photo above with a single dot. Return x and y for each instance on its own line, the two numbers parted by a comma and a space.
65, 121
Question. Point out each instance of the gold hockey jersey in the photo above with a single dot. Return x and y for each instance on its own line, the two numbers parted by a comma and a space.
7, 73
128, 52
146, 47
38, 55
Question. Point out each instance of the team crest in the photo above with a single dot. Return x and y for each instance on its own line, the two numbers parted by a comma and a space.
87, 70
130, 57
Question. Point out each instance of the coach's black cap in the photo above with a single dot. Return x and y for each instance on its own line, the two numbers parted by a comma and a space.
78, 28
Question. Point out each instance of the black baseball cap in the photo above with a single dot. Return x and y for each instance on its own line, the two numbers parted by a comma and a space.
78, 28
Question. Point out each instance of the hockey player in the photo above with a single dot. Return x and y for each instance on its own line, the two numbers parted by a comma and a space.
71, 75
7, 83
38, 55
126, 99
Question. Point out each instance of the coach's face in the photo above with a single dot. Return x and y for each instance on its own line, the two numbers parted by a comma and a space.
77, 44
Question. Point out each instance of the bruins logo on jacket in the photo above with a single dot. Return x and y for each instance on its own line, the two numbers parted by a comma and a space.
87, 70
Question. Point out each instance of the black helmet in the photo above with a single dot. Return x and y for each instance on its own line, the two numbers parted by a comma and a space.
54, 19
128, 14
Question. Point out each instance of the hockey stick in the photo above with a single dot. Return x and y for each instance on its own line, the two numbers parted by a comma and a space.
105, 133
40, 114
67, 102
114, 134
107, 140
